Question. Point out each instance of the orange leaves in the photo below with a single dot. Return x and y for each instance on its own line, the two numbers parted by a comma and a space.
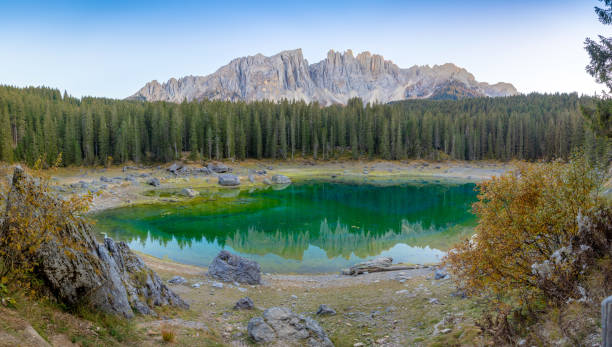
524, 217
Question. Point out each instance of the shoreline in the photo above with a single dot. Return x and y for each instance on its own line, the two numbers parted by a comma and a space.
126, 185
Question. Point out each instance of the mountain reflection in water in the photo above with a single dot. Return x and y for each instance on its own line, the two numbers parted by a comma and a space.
307, 227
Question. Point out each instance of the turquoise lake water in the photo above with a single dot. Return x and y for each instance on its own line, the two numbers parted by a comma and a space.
308, 227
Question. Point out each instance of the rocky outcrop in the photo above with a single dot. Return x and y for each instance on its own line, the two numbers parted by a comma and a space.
334, 80
233, 268
284, 327
79, 270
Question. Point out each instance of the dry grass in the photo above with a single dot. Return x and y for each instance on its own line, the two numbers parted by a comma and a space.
168, 333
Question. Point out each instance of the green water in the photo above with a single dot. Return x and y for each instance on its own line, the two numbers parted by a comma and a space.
307, 227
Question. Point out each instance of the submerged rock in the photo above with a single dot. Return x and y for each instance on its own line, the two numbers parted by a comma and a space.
189, 192
230, 267
229, 180
78, 270
280, 179
284, 327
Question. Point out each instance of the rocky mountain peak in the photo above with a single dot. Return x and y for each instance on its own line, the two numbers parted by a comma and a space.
335, 79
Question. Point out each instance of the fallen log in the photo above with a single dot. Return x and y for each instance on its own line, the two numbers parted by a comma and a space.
377, 265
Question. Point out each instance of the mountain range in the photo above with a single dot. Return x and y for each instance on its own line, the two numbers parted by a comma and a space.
334, 80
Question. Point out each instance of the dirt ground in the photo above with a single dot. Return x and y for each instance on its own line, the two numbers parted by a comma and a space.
397, 308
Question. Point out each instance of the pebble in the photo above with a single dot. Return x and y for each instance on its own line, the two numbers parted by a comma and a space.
217, 285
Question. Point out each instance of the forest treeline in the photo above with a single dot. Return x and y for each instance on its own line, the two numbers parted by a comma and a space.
42, 123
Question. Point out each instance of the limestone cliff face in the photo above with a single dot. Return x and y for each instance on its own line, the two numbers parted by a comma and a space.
336, 79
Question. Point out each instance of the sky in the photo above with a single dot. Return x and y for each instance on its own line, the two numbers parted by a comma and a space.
112, 48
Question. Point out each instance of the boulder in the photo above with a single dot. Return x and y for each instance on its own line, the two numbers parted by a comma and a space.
77, 269
144, 288
177, 280
267, 181
218, 167
174, 168
325, 310
229, 180
230, 267
244, 304
154, 181
203, 170
284, 327
189, 192
280, 179
260, 331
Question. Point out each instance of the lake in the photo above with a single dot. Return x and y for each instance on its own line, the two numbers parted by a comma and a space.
307, 227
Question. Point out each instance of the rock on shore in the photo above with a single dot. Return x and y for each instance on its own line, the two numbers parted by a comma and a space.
229, 180
79, 270
284, 327
233, 268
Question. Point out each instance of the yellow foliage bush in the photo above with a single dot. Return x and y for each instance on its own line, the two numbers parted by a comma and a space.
527, 219
32, 215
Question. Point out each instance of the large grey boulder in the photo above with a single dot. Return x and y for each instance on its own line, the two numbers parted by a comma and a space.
229, 180
280, 179
234, 268
78, 270
284, 327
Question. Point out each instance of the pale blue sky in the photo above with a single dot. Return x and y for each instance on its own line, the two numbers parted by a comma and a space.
112, 48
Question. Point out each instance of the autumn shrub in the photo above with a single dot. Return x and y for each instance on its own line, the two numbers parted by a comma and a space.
540, 229
32, 215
